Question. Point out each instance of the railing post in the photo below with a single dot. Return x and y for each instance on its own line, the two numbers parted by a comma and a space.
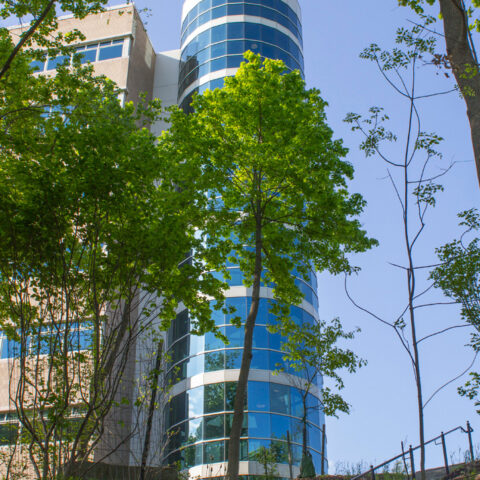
372, 472
444, 447
470, 443
412, 463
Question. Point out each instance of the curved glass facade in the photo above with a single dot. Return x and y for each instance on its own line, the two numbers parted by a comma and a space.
203, 369
216, 33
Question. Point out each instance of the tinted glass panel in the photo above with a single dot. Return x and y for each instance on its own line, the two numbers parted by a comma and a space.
259, 396
214, 398
214, 427
106, 53
280, 398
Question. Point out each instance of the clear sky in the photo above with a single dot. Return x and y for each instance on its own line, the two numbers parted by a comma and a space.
382, 394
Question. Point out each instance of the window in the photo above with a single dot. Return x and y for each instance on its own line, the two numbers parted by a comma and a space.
195, 398
214, 427
233, 359
280, 398
214, 452
235, 336
280, 426
214, 398
259, 396
258, 424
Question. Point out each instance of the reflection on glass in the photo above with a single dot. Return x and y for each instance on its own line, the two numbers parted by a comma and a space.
280, 398
214, 427
214, 361
214, 397
233, 359
214, 452
195, 401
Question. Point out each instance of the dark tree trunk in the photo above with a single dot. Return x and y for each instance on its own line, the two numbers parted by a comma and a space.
464, 66
237, 422
151, 411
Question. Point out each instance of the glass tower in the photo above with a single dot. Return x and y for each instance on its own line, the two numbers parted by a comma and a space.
204, 370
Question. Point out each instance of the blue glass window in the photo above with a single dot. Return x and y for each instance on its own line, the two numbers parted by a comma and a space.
260, 337
37, 65
219, 64
214, 399
212, 342
219, 12
280, 398
235, 336
87, 55
259, 359
214, 361
218, 49
195, 430
296, 430
236, 47
314, 437
276, 361
313, 409
296, 399
235, 30
214, 452
258, 424
194, 366
109, 50
195, 398
234, 62
240, 305
53, 63
280, 425
235, 9
214, 427
233, 359
228, 425
259, 396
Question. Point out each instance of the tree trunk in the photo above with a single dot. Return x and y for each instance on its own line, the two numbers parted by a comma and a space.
151, 411
237, 422
464, 66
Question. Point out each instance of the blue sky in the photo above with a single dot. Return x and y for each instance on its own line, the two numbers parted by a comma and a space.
382, 394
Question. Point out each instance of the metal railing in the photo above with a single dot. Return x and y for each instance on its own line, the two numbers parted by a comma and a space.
409, 455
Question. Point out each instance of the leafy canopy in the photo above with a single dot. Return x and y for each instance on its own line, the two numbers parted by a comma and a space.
264, 156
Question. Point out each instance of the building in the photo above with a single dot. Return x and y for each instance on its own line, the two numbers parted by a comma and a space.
214, 35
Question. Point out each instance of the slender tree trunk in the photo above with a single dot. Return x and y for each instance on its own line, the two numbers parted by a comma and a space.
237, 422
151, 411
464, 65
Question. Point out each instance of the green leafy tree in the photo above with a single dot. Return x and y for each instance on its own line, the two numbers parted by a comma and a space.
40, 37
459, 278
277, 193
312, 351
93, 232
460, 22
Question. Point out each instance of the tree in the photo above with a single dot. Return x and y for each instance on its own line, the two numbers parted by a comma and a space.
93, 236
458, 276
311, 350
413, 174
461, 56
41, 36
277, 194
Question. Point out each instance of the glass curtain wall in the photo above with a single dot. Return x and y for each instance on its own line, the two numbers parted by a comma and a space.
203, 370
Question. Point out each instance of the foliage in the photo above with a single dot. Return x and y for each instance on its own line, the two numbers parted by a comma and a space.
275, 188
458, 276
313, 351
93, 232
